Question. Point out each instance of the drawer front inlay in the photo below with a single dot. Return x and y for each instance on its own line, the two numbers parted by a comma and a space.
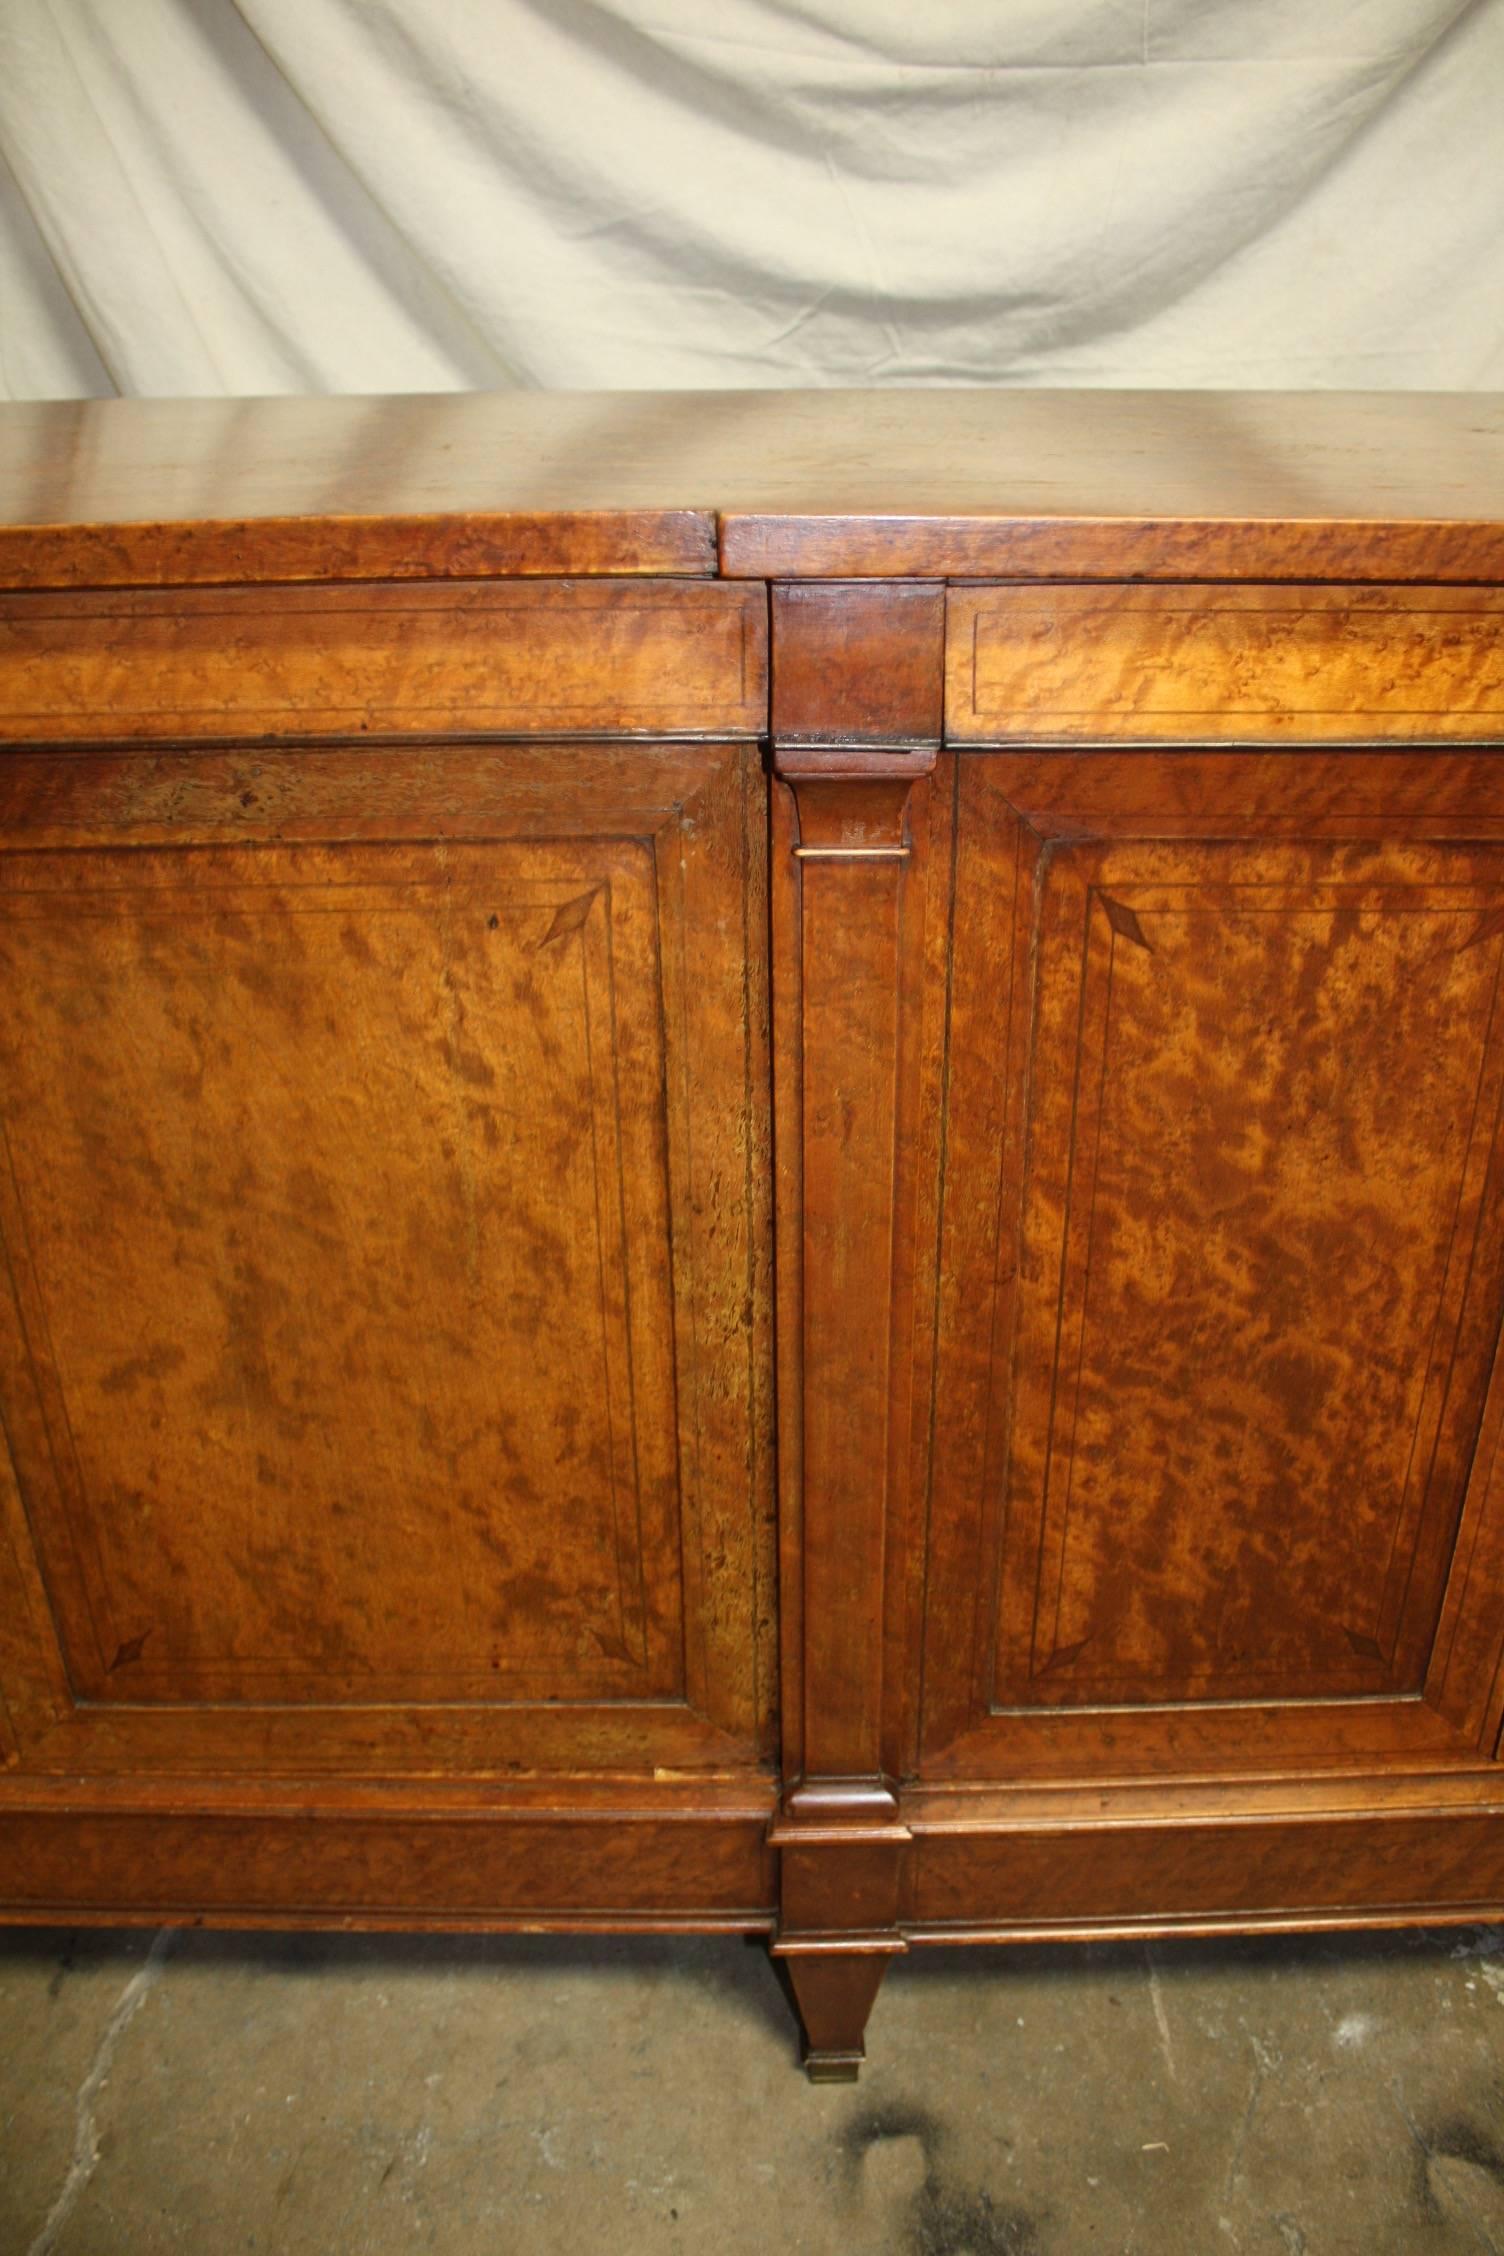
1198, 664
543, 658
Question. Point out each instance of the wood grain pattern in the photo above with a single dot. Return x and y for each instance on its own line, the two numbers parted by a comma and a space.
1236, 1208
836, 1991
1465, 1681
850, 847
1024, 484
160, 493
1081, 1882
533, 659
343, 1375
858, 663
986, 483
1249, 1232
1074, 665
1026, 549
1178, 1856
465, 543
844, 976
502, 1223
590, 1858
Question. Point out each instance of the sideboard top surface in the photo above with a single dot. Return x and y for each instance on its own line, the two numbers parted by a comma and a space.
986, 483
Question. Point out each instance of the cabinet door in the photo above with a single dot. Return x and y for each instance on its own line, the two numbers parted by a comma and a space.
383, 1347
1221, 1265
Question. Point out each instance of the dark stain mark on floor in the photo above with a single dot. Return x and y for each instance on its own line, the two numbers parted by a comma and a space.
953, 2223
65, 1966
893, 2122
1455, 2140
946, 2217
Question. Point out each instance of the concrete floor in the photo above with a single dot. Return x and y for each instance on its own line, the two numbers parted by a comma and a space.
1341, 2097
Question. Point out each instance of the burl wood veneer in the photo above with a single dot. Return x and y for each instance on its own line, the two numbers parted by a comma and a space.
524, 922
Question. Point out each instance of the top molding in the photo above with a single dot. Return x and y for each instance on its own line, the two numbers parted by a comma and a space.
470, 486
936, 484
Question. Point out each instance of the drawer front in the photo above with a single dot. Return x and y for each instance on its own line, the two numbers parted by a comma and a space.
544, 658
1202, 664
352, 1413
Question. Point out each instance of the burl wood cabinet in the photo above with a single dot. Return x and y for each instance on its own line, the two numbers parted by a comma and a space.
750, 1167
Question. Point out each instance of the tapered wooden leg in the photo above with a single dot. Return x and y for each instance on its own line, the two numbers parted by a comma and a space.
835, 1990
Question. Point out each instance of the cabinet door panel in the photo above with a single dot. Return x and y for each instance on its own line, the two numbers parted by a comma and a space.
1235, 1239
356, 1408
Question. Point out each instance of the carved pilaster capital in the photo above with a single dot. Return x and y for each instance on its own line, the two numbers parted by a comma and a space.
851, 801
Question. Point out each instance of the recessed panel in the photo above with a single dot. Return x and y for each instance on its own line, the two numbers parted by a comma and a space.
1259, 1253
334, 1193
1220, 1261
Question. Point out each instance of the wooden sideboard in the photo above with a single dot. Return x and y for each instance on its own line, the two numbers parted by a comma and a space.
751, 1166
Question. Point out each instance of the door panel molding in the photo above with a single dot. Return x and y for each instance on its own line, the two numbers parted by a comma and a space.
293, 1134
1192, 1119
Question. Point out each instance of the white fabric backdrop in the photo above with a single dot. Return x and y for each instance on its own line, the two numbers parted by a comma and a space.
251, 196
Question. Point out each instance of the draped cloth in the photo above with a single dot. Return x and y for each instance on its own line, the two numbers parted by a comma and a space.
261, 196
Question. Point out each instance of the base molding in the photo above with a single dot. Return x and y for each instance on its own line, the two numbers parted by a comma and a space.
987, 1864
964, 1934
841, 1883
553, 1855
